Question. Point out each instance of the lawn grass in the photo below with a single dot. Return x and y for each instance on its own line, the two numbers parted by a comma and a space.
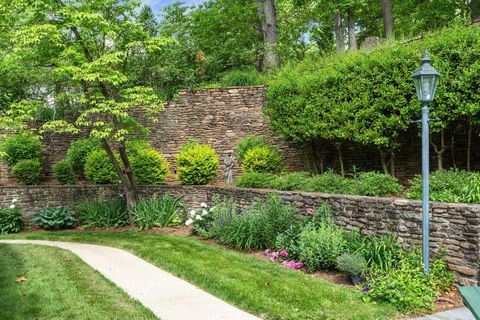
58, 286
257, 286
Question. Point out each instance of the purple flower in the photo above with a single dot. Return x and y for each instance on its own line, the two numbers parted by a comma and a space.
284, 253
310, 212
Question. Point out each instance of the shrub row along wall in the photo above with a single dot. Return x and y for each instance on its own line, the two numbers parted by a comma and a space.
219, 117
455, 226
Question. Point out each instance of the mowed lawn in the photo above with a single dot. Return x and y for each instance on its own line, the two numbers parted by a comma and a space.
38, 282
254, 285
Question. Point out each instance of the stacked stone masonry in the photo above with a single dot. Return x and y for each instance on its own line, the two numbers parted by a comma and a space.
453, 226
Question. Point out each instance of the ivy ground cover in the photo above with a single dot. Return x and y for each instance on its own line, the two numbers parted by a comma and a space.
257, 286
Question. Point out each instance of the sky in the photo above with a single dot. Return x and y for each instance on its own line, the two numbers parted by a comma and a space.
157, 5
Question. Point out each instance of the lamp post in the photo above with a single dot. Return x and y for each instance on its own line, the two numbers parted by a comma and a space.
426, 80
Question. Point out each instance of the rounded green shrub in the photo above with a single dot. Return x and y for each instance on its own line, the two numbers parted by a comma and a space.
377, 184
150, 167
22, 146
262, 159
99, 169
134, 146
64, 172
249, 142
79, 150
10, 220
27, 171
197, 164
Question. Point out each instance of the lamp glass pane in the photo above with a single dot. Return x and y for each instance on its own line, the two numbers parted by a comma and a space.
428, 87
418, 87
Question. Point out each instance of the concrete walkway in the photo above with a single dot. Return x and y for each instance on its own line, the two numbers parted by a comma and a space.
454, 314
169, 297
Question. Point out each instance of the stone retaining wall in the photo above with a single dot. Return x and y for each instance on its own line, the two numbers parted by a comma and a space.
454, 226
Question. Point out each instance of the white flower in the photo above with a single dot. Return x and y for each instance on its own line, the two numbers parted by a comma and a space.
204, 212
14, 200
203, 205
12, 206
189, 222
212, 208
192, 213
199, 217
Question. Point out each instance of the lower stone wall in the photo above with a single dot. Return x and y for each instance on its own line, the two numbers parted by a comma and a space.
454, 226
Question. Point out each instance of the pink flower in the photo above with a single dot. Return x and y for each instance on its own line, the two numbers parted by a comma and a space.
310, 212
284, 253
299, 265
292, 264
267, 253
274, 257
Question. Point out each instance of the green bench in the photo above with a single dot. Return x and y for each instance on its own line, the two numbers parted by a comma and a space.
471, 298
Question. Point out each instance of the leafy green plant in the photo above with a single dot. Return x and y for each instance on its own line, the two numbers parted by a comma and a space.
157, 212
243, 232
27, 171
471, 191
105, 214
376, 184
255, 180
405, 286
197, 164
250, 142
209, 222
329, 182
262, 159
351, 263
99, 169
150, 167
320, 246
55, 219
290, 181
289, 240
10, 220
22, 146
64, 172
79, 150
445, 186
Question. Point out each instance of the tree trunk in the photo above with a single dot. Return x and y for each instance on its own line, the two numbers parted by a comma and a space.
475, 10
469, 145
384, 162
454, 163
387, 14
352, 36
340, 159
268, 16
339, 32
439, 149
392, 164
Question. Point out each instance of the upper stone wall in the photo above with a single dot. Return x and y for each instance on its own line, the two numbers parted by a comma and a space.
219, 117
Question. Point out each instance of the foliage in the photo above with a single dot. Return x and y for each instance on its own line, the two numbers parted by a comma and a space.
445, 185
99, 169
104, 214
197, 164
471, 191
250, 142
27, 171
262, 159
79, 150
289, 240
320, 247
255, 180
351, 263
209, 222
329, 182
150, 167
290, 181
157, 212
406, 286
259, 225
241, 77
64, 172
10, 219
22, 146
377, 184
55, 219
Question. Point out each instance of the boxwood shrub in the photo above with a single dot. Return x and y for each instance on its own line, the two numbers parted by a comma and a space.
149, 167
22, 146
262, 159
27, 171
64, 172
99, 169
197, 164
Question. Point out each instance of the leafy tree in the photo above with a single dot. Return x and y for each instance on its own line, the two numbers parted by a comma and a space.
88, 46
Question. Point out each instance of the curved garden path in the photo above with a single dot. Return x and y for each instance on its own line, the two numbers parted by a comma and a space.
169, 297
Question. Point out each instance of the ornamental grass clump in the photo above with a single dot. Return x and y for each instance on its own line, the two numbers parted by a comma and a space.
104, 214
157, 212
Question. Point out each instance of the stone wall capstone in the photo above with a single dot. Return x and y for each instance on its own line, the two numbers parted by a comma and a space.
453, 226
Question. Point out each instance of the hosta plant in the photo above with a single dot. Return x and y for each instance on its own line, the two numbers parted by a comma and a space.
55, 219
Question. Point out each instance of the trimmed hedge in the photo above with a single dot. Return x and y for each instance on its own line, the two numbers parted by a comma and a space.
149, 167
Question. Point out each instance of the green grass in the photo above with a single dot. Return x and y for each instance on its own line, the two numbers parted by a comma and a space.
260, 287
59, 286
